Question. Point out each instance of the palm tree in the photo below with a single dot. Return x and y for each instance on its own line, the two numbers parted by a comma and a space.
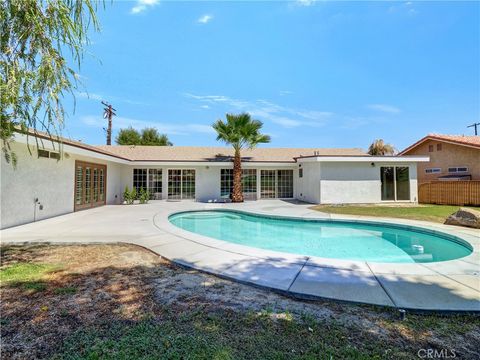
240, 131
378, 147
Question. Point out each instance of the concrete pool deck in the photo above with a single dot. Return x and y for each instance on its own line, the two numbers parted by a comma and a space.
443, 286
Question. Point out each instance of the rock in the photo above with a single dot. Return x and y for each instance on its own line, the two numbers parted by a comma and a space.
465, 217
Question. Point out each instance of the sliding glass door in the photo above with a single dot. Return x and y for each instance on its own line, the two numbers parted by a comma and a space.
181, 184
276, 184
395, 182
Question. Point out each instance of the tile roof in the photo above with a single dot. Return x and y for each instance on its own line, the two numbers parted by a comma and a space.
204, 153
467, 140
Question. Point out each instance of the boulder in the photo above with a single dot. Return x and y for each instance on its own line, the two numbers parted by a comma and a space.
465, 217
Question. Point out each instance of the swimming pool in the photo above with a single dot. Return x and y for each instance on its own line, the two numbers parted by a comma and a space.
337, 239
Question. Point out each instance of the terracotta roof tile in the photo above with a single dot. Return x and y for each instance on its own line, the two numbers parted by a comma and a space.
467, 140
204, 153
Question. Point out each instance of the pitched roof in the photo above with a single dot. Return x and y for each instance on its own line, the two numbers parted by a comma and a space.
204, 153
465, 140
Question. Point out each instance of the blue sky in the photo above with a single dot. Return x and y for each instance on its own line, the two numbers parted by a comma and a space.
318, 74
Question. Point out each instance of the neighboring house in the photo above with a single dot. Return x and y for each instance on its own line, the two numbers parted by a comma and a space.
452, 157
87, 176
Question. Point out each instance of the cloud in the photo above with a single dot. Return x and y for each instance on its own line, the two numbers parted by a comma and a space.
100, 97
406, 7
165, 128
305, 2
285, 92
205, 19
267, 111
142, 5
384, 108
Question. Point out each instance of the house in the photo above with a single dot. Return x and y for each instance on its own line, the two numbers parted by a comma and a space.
50, 182
452, 157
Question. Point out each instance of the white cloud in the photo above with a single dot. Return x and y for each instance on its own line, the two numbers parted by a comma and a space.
305, 2
142, 5
166, 128
267, 111
384, 108
100, 97
205, 19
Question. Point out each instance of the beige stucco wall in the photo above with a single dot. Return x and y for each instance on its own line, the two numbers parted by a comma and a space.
451, 155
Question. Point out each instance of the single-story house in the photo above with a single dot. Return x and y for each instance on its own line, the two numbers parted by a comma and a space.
452, 157
49, 182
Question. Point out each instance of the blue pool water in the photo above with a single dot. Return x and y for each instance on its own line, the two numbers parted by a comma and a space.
323, 238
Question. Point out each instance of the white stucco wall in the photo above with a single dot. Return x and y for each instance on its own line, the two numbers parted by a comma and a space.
46, 179
49, 180
355, 183
307, 188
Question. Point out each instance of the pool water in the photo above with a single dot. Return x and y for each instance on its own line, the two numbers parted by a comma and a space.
324, 238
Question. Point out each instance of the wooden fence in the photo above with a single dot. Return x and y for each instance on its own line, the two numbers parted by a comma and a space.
450, 193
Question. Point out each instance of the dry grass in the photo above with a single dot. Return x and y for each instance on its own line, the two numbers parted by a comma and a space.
121, 301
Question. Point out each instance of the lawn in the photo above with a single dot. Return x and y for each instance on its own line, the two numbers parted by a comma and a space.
123, 302
435, 213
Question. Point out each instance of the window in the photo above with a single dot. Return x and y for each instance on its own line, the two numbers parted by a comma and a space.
43, 153
300, 172
433, 170
439, 147
395, 183
458, 169
155, 183
430, 148
276, 184
48, 154
139, 179
79, 185
249, 183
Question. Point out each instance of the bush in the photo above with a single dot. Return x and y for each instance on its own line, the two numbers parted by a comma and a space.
144, 196
129, 196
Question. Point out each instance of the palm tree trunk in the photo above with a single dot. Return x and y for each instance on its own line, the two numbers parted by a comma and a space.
237, 193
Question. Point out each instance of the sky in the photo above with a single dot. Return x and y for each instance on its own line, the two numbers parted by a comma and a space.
316, 73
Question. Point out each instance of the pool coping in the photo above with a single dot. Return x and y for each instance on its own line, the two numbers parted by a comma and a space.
452, 285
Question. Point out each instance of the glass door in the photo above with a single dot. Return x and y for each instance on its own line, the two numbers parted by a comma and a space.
267, 184
395, 182
174, 184
181, 184
89, 185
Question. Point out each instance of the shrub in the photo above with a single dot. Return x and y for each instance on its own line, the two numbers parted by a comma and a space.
129, 196
144, 196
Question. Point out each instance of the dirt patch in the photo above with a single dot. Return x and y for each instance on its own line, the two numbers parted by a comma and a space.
101, 284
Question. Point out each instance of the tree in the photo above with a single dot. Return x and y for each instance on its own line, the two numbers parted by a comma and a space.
35, 74
128, 136
239, 131
148, 136
378, 147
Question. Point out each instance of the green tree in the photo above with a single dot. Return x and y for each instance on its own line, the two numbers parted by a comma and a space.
378, 147
150, 136
128, 136
240, 131
36, 36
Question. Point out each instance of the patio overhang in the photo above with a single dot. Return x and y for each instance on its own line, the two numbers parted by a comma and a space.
356, 159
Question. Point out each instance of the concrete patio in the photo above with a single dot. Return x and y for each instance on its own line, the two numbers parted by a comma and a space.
445, 286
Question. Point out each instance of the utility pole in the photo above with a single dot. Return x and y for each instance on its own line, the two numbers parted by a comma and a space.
108, 113
474, 126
